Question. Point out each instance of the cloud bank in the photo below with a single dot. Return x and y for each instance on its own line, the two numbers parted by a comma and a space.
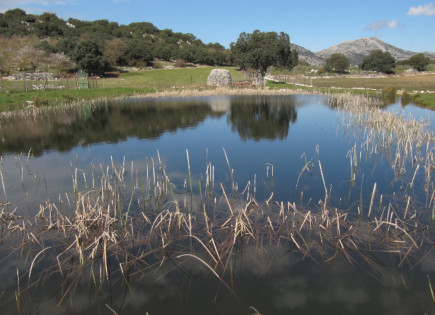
427, 9
379, 25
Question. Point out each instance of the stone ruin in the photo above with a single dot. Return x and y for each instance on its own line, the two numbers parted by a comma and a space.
219, 77
35, 76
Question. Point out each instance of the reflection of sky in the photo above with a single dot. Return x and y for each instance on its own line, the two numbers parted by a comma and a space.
272, 280
413, 111
316, 125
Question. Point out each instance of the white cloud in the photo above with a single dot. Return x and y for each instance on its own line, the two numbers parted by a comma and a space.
18, 3
379, 25
427, 9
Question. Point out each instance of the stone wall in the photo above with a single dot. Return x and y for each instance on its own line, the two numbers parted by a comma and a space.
36, 76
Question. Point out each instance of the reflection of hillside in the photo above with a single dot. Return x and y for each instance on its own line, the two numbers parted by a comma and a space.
266, 117
111, 123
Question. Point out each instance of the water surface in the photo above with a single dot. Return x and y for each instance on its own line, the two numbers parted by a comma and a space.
269, 141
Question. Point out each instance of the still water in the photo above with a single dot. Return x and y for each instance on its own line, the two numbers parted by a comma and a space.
271, 145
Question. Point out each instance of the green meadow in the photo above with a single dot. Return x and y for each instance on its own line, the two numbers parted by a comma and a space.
13, 95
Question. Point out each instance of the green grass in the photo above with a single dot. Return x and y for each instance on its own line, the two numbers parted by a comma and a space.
409, 83
16, 100
142, 82
130, 83
427, 100
168, 78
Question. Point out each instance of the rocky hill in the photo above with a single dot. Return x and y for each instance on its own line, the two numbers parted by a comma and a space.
308, 55
356, 50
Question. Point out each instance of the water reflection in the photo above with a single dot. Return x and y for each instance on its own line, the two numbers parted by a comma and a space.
264, 117
256, 118
63, 130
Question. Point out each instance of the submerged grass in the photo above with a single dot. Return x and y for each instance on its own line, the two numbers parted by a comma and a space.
116, 226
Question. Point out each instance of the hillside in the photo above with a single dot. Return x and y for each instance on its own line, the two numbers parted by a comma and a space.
97, 46
308, 55
356, 50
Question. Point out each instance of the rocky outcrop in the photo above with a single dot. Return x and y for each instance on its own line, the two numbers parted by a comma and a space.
308, 55
36, 76
219, 77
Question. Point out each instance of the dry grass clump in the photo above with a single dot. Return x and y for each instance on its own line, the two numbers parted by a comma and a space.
407, 143
116, 228
103, 235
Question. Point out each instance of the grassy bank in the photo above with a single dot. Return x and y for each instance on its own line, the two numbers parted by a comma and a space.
16, 100
127, 84
146, 81
368, 85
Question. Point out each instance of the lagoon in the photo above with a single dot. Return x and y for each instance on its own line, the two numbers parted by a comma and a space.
301, 150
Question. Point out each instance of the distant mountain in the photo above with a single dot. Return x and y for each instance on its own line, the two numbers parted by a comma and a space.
308, 55
356, 50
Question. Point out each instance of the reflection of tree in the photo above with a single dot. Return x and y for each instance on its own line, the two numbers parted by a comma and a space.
111, 123
262, 117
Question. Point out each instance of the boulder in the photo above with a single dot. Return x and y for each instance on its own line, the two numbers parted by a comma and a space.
219, 77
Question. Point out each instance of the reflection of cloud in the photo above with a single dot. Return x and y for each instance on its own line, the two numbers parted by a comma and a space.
137, 299
166, 288
427, 9
343, 293
290, 300
51, 307
291, 292
379, 25
428, 264
261, 262
8, 272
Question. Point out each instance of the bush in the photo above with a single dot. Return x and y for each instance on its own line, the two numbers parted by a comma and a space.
39, 101
379, 61
419, 62
389, 95
180, 63
337, 63
157, 64
406, 98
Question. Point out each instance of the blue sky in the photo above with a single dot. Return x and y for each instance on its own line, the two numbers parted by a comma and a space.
313, 24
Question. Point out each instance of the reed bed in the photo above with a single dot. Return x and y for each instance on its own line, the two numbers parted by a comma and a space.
114, 230
114, 226
405, 142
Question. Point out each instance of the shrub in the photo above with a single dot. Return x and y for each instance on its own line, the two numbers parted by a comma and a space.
180, 63
379, 61
389, 95
419, 62
157, 64
39, 101
337, 63
406, 98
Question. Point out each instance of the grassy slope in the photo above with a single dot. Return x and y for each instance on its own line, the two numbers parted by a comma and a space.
409, 83
138, 82
412, 84
142, 82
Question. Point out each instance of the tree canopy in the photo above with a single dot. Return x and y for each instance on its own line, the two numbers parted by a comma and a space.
419, 62
380, 61
136, 44
337, 62
260, 50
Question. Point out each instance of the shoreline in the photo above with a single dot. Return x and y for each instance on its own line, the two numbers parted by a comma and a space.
221, 91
